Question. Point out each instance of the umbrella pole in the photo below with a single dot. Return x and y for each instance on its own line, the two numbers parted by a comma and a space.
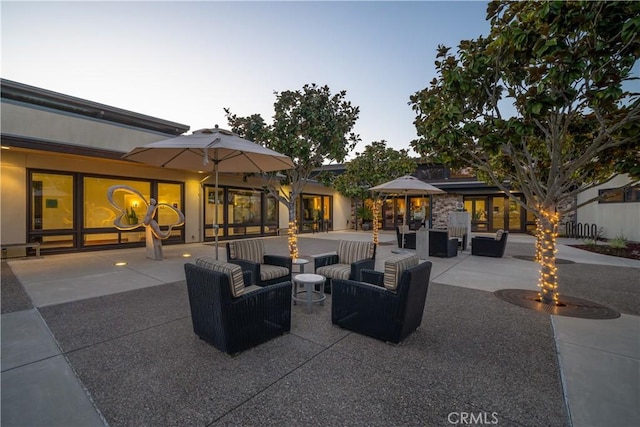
404, 217
215, 214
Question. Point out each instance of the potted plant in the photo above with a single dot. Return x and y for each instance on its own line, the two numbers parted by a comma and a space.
365, 213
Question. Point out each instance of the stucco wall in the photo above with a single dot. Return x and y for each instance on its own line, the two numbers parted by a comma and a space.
616, 219
68, 128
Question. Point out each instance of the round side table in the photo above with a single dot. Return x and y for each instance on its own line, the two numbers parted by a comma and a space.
300, 262
309, 281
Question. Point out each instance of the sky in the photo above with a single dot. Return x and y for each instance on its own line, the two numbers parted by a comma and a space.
187, 61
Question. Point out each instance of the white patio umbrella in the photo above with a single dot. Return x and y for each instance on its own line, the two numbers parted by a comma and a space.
407, 185
225, 150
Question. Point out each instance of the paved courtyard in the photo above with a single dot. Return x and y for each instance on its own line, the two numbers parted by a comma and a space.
87, 343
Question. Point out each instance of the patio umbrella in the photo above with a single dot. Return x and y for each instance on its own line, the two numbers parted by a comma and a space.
407, 185
224, 150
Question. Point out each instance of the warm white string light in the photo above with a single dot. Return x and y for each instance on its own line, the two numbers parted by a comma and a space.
546, 253
376, 211
293, 239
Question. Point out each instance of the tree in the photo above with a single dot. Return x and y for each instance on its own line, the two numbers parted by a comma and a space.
375, 165
564, 68
311, 126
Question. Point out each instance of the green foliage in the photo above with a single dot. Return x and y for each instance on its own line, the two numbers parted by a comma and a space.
311, 126
566, 69
365, 213
590, 242
619, 242
132, 217
375, 165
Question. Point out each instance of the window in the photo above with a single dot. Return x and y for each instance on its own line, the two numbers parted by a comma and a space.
618, 195
98, 212
51, 201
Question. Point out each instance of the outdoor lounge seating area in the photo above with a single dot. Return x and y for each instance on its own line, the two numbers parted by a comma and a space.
146, 366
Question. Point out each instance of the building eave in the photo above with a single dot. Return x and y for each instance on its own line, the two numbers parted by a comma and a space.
26, 94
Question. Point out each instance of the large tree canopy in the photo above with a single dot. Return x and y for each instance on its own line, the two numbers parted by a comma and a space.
546, 104
311, 126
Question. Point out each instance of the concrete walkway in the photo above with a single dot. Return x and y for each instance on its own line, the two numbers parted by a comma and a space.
599, 360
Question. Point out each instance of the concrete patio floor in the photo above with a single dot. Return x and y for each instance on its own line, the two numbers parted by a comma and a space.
87, 343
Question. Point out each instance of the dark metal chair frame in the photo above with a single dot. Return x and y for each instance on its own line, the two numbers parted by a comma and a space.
370, 309
233, 324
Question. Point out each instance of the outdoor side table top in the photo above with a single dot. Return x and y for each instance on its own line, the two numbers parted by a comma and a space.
300, 262
309, 281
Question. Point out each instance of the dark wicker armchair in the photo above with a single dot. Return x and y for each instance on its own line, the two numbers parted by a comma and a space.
409, 238
347, 263
377, 310
441, 245
235, 323
265, 269
490, 246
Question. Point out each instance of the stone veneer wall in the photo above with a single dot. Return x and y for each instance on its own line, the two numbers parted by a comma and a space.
442, 205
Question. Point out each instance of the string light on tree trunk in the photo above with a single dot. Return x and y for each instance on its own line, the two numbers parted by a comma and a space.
548, 281
293, 239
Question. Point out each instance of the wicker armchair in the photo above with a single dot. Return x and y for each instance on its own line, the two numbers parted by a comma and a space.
409, 238
230, 317
490, 246
441, 245
347, 263
265, 269
390, 306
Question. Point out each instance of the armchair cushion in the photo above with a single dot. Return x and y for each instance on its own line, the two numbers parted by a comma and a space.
250, 250
395, 266
265, 269
269, 272
348, 261
236, 280
349, 252
335, 271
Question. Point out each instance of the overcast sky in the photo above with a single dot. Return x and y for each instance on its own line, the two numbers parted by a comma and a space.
186, 61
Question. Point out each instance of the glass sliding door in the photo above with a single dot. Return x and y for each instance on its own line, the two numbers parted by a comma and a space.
477, 207
52, 220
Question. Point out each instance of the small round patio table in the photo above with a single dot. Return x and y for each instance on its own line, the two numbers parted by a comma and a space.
309, 281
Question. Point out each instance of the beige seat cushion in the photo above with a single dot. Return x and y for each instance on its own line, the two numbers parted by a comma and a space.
250, 250
395, 266
459, 231
233, 271
335, 271
350, 252
268, 272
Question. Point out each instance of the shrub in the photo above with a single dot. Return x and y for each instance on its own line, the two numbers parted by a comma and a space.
619, 242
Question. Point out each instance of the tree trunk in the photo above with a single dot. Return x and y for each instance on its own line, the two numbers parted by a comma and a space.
376, 211
546, 248
292, 231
